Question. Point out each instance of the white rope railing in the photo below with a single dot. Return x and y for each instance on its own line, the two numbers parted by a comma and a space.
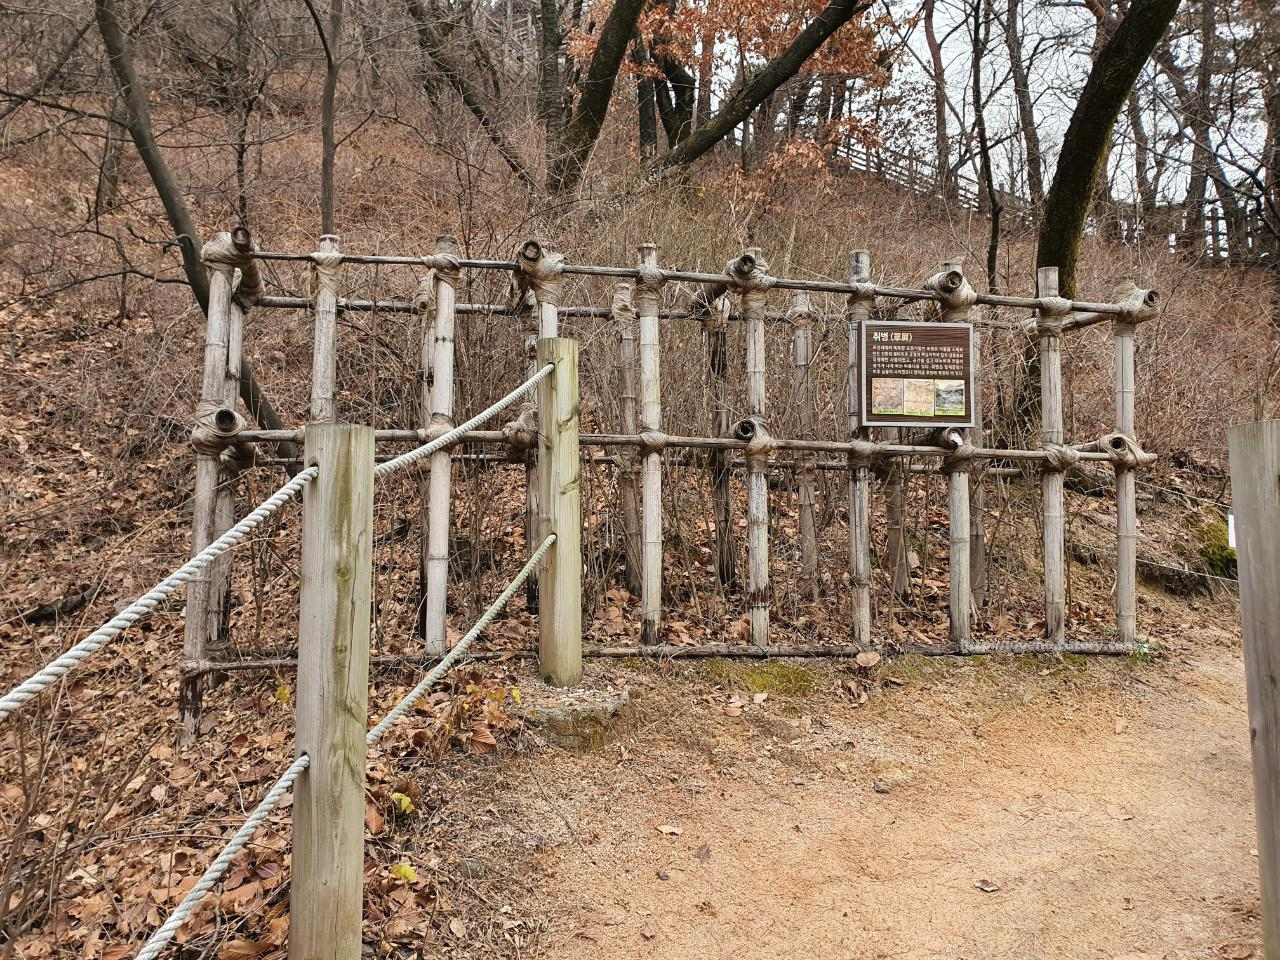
164, 935
145, 604
445, 439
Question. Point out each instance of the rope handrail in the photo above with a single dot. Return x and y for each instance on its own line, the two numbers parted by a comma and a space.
165, 934
56, 669
445, 439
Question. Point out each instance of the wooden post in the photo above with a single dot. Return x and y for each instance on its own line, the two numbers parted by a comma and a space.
859, 311
716, 325
213, 497
440, 481
801, 317
751, 273
1255, 486
977, 492
648, 290
324, 359
1049, 331
560, 505
624, 315
327, 897
1126, 490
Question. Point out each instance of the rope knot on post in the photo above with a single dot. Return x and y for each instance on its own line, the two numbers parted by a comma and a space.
446, 265
1124, 452
1049, 316
1059, 459
215, 428
1137, 305
539, 271
800, 315
750, 273
863, 453
424, 298
653, 441
622, 309
761, 444
954, 293
325, 264
520, 435
235, 251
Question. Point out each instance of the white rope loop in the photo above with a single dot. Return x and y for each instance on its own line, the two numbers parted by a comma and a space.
447, 439
58, 668
164, 936
452, 657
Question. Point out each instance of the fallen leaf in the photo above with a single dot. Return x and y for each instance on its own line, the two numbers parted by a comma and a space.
868, 658
987, 886
458, 927
760, 697
1117, 812
1235, 951
649, 930
879, 786
669, 830
703, 853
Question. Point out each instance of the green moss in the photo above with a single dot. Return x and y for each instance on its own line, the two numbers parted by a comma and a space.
759, 676
1215, 550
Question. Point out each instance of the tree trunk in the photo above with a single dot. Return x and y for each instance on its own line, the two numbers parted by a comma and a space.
1026, 110
941, 141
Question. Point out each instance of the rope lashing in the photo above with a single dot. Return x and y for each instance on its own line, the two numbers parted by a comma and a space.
235, 251
1059, 459
1125, 452
452, 436
954, 293
214, 428
649, 282
622, 310
424, 297
761, 445
750, 274
863, 453
652, 441
460, 648
539, 271
145, 604
1050, 314
800, 315
521, 433
325, 265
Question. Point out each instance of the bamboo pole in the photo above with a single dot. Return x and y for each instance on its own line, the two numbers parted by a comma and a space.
327, 898
559, 469
440, 481
324, 361
801, 316
1126, 490
957, 299
751, 274
624, 315
1049, 327
1255, 464
211, 506
977, 491
716, 325
648, 291
859, 311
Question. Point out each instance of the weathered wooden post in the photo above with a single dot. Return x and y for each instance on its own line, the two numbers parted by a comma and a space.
447, 273
1123, 329
956, 298
213, 502
327, 897
1049, 333
801, 317
859, 311
751, 276
1255, 486
624, 316
424, 306
648, 291
326, 264
560, 506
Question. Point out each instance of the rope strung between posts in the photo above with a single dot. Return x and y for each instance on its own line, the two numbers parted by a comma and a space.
452, 436
162, 937
214, 874
145, 604
452, 657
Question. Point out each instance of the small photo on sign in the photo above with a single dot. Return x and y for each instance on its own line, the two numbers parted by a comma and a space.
948, 398
886, 396
918, 399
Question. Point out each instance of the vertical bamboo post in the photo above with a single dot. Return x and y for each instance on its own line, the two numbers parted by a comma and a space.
716, 324
859, 311
327, 898
1255, 465
751, 274
424, 305
218, 389
1049, 331
447, 274
324, 360
977, 491
648, 291
560, 505
624, 315
1126, 488
957, 297
801, 317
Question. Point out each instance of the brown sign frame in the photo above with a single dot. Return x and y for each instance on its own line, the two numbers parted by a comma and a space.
928, 335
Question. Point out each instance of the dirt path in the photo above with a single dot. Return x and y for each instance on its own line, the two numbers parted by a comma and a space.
1109, 803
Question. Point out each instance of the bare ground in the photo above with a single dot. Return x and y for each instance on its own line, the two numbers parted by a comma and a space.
1106, 805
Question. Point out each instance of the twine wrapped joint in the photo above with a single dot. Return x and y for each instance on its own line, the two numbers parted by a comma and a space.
215, 428
750, 272
801, 313
962, 451
863, 453
520, 435
1049, 316
1059, 459
953, 290
325, 264
539, 271
761, 444
235, 251
1124, 451
651, 441
622, 309
1138, 304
